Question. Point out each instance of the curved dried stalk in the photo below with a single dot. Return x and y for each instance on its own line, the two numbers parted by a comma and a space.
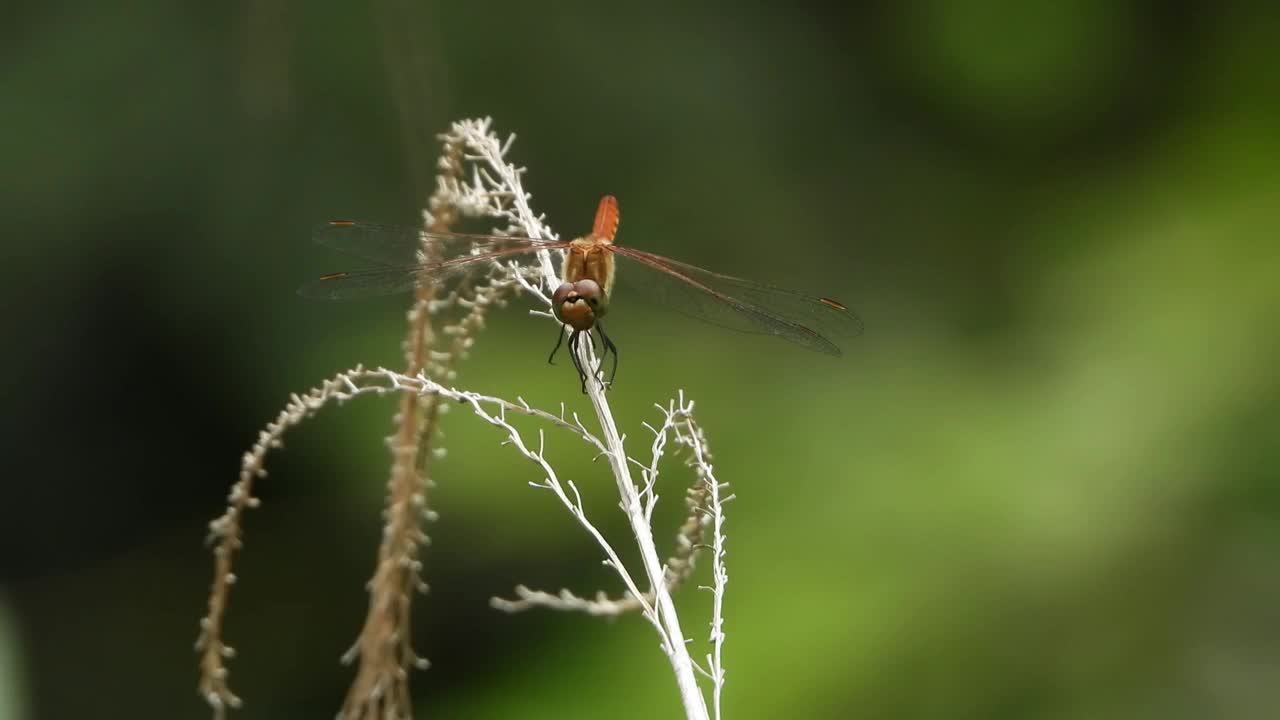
380, 689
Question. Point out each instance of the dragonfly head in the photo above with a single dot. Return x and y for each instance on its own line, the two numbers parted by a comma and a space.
578, 304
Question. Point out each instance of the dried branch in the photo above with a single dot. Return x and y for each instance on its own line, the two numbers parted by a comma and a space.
380, 688
475, 180
679, 566
503, 180
714, 510
226, 532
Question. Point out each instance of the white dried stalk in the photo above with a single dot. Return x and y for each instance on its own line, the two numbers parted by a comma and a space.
494, 190
720, 575
689, 540
502, 179
225, 533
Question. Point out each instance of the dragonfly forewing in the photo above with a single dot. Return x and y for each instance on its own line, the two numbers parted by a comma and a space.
362, 283
738, 304
401, 251
398, 245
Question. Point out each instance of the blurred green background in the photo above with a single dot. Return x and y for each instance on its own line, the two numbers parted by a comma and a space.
1041, 485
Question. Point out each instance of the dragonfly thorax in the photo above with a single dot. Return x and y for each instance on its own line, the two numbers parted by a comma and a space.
588, 258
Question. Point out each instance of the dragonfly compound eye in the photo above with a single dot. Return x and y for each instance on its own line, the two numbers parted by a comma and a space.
589, 290
561, 294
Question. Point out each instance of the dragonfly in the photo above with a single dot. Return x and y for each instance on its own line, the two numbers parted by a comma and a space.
589, 271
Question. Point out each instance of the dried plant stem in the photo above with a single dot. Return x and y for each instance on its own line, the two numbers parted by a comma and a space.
720, 576
226, 532
676, 649
689, 539
666, 621
507, 177
380, 689
489, 187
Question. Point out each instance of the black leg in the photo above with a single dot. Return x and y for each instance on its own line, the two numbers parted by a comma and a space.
574, 338
609, 347
595, 371
559, 341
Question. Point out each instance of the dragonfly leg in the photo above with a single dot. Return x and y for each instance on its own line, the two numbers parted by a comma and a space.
559, 341
574, 339
609, 347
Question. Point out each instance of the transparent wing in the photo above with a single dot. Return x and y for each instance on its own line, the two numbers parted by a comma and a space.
738, 304
397, 249
399, 245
